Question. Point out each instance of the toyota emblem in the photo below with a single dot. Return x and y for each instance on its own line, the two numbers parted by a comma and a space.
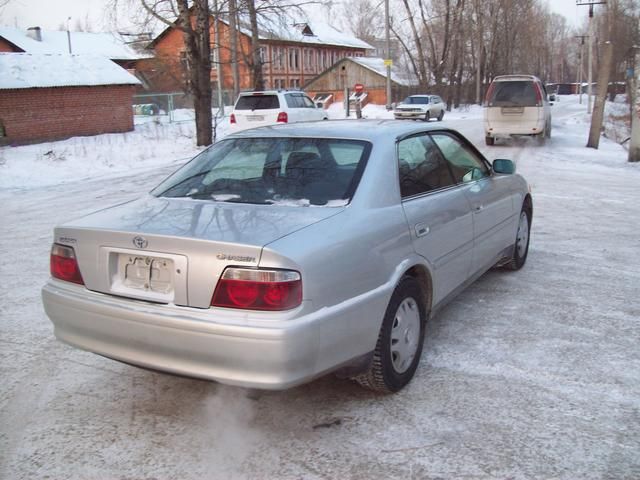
140, 242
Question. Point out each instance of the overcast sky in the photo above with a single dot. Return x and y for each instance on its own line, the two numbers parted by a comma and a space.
49, 14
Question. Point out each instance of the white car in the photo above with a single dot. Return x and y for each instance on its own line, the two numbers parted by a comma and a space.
420, 107
517, 105
259, 109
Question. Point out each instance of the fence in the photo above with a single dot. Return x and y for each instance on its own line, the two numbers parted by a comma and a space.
174, 107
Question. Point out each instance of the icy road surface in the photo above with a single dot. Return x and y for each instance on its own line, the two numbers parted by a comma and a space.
526, 375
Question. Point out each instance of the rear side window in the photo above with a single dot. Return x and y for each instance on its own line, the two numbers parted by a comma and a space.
421, 166
520, 93
257, 102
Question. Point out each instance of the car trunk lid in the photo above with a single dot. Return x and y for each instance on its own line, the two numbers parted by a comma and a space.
174, 250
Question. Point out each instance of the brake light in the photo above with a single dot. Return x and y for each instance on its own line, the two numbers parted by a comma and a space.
282, 117
232, 119
258, 289
538, 94
64, 265
487, 99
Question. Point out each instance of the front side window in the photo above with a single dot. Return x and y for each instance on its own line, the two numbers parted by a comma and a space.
421, 166
466, 166
281, 171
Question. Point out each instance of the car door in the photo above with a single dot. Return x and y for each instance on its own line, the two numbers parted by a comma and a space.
490, 196
313, 113
438, 213
434, 106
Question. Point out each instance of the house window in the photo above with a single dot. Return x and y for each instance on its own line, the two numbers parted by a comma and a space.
263, 54
294, 60
184, 60
214, 58
294, 83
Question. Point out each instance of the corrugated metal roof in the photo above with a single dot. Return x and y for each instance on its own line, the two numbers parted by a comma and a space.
25, 70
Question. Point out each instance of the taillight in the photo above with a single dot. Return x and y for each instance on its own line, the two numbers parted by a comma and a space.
282, 117
64, 265
538, 94
232, 119
487, 99
258, 289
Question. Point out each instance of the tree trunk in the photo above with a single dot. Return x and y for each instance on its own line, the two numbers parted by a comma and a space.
598, 109
198, 48
420, 60
256, 62
233, 41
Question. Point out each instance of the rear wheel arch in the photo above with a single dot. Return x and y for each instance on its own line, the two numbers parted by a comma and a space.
423, 277
527, 204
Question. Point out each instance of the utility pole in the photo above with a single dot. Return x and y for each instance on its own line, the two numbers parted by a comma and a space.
387, 60
580, 69
634, 145
591, 3
603, 82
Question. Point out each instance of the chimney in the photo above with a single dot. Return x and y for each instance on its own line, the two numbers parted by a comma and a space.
35, 33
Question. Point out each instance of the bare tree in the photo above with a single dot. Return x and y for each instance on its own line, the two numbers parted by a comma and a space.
196, 35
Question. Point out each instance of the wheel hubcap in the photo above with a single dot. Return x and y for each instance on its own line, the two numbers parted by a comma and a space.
523, 235
405, 335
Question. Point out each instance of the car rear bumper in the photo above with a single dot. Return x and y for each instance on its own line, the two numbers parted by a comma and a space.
505, 129
238, 350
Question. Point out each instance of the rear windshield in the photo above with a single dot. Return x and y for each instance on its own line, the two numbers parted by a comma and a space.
257, 102
279, 171
416, 100
518, 93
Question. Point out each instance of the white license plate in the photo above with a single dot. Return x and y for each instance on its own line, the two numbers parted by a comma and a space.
255, 118
150, 274
512, 110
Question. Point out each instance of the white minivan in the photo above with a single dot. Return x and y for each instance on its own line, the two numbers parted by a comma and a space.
517, 105
257, 109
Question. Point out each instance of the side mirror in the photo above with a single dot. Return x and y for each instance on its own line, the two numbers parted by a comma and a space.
502, 165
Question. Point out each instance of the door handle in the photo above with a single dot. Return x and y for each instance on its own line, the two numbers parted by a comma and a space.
478, 208
421, 229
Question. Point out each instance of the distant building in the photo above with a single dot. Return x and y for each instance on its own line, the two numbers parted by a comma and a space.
369, 72
291, 55
51, 97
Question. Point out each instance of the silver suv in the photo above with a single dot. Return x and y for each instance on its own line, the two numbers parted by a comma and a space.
258, 109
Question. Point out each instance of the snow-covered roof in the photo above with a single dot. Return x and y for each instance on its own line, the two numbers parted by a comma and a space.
108, 45
377, 65
309, 31
26, 70
287, 30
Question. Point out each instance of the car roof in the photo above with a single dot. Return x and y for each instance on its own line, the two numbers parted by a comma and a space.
368, 130
507, 78
269, 92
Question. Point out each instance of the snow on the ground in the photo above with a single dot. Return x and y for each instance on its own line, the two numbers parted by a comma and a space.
158, 142
532, 374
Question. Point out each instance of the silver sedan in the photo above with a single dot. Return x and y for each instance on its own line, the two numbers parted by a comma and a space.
283, 253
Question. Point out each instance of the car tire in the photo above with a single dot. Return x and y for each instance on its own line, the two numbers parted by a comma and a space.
489, 141
427, 116
441, 116
399, 346
541, 137
521, 245
547, 131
